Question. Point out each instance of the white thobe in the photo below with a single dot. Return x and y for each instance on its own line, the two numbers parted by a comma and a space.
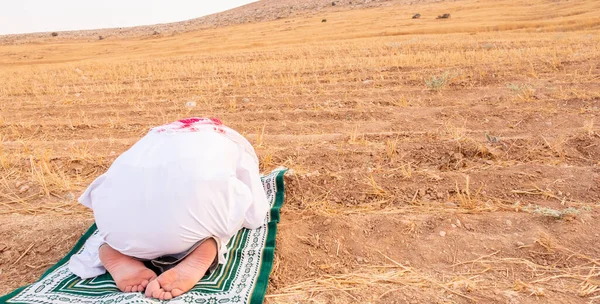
180, 184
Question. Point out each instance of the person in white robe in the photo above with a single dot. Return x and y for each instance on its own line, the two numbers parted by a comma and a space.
167, 207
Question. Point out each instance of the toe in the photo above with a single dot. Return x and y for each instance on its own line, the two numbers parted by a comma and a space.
144, 284
176, 292
167, 296
127, 289
134, 289
151, 288
161, 296
156, 294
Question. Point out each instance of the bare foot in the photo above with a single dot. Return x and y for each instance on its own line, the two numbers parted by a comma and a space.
180, 279
130, 274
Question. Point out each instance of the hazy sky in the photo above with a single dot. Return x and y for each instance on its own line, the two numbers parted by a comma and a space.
28, 16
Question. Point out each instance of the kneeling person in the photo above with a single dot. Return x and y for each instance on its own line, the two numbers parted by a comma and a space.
172, 202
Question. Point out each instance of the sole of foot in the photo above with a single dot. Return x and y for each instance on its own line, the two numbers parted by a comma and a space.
129, 274
185, 275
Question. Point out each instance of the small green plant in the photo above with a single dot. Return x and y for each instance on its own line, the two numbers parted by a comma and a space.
489, 46
438, 82
523, 91
494, 140
549, 212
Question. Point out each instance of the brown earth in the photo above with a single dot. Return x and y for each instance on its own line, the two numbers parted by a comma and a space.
433, 161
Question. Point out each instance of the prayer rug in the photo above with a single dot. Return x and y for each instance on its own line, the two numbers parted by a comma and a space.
243, 279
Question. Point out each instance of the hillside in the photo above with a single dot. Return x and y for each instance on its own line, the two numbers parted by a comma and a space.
265, 10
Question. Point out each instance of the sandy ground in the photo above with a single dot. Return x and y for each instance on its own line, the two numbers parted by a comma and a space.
433, 161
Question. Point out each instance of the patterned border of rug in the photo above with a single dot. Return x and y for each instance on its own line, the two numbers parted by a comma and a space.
243, 279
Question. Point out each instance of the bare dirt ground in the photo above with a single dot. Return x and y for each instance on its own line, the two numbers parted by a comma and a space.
433, 161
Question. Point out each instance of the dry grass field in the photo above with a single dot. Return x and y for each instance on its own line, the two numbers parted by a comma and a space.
433, 160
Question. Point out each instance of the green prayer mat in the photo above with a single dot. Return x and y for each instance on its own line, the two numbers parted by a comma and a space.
243, 279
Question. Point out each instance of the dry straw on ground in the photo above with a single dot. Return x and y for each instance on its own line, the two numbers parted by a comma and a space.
429, 157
